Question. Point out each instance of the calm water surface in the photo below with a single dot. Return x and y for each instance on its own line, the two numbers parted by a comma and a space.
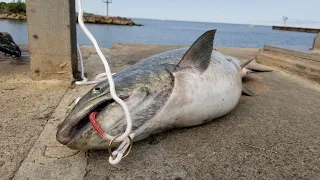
177, 33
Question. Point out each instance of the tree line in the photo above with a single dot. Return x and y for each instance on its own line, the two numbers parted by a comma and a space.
13, 7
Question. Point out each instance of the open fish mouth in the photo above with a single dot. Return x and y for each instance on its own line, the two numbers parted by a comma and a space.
76, 125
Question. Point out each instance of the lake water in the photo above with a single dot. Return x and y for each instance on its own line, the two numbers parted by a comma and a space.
177, 33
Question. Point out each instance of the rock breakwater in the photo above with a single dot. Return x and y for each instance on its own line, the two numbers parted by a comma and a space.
87, 18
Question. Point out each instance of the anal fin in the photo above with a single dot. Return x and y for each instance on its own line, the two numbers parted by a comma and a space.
247, 91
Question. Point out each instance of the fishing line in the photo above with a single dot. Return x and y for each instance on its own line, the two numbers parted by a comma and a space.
116, 155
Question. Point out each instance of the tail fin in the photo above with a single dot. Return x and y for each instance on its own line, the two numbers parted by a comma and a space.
246, 70
253, 69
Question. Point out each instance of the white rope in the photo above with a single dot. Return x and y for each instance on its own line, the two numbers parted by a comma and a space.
119, 152
127, 132
100, 77
84, 79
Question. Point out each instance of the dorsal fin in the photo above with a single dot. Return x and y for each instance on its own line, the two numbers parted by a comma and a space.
199, 54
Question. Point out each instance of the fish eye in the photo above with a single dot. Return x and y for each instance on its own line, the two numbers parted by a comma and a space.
96, 89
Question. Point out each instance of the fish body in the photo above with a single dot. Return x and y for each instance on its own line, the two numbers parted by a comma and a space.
198, 97
174, 89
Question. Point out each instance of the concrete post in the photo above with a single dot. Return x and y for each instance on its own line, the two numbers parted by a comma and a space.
316, 43
52, 39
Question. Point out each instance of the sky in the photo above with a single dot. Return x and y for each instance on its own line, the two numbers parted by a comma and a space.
304, 13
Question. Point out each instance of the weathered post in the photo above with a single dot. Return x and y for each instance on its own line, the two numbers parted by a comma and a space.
52, 39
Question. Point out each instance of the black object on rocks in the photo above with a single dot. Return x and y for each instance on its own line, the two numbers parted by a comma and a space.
8, 46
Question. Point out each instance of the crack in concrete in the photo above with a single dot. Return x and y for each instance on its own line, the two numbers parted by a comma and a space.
87, 164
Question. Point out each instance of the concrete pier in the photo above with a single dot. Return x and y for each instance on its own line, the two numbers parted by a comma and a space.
298, 29
271, 136
52, 39
303, 64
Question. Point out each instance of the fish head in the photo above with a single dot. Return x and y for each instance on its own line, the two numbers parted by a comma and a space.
144, 92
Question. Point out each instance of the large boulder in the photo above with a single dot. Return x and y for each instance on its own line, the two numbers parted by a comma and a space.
109, 20
17, 17
106, 20
91, 19
12, 16
127, 21
130, 22
116, 20
98, 19
123, 22
3, 16
85, 20
23, 17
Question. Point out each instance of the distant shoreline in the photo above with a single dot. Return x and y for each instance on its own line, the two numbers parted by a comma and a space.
87, 18
180, 33
98, 19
